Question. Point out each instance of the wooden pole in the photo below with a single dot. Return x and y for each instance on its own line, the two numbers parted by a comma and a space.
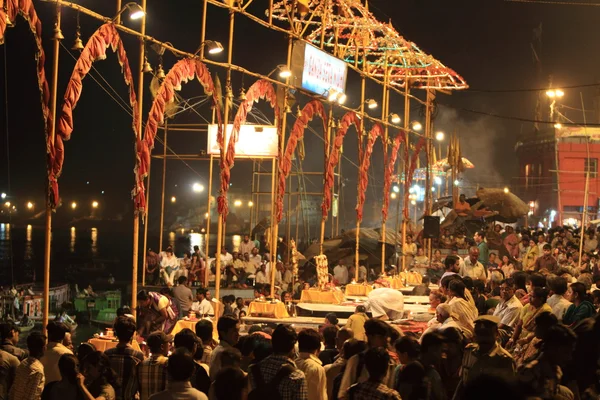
48, 234
118, 20
406, 168
384, 115
584, 214
146, 226
136, 222
327, 149
429, 151
220, 229
164, 181
252, 198
203, 31
208, 208
361, 132
273, 228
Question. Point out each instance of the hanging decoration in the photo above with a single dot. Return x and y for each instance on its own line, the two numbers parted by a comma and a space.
182, 72
322, 271
350, 118
351, 32
95, 49
294, 259
363, 178
409, 177
314, 107
261, 89
389, 173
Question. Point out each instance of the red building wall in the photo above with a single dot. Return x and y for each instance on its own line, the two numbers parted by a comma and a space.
572, 155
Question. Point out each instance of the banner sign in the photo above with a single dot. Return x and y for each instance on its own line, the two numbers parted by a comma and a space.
254, 141
317, 71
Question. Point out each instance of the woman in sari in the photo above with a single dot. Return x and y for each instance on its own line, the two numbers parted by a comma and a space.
507, 267
581, 308
525, 329
156, 312
465, 311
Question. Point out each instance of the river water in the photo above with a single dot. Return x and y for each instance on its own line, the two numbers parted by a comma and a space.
74, 251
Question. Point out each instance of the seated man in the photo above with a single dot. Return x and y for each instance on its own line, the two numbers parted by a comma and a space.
386, 303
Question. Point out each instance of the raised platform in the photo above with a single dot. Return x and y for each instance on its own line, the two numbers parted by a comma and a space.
296, 322
341, 310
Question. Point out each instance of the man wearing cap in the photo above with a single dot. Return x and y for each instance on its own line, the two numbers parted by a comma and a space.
152, 372
485, 356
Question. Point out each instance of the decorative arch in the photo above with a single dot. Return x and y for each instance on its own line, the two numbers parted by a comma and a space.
389, 172
261, 89
350, 118
182, 72
408, 180
363, 178
310, 110
95, 49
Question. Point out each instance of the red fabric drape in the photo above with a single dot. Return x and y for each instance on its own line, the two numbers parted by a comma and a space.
314, 107
95, 49
26, 9
389, 172
348, 119
182, 72
408, 180
363, 177
261, 89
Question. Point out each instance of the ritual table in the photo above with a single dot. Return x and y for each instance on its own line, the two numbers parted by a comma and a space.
184, 323
322, 296
358, 289
105, 344
395, 283
268, 309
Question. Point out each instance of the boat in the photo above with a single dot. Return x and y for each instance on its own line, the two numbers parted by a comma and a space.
101, 309
27, 327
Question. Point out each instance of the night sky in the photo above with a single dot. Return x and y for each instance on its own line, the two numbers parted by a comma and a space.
487, 42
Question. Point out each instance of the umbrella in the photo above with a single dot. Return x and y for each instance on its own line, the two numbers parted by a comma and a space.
443, 164
507, 205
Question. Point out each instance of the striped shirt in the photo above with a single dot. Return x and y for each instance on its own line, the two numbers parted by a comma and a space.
29, 380
124, 360
152, 376
292, 387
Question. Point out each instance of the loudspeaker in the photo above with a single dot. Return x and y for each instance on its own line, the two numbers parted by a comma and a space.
431, 227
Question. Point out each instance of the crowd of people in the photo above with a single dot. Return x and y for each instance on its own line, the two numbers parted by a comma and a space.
512, 326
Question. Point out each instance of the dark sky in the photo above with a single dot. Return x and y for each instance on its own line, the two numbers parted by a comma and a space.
487, 42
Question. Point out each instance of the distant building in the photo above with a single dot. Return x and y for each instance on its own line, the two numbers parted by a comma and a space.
556, 193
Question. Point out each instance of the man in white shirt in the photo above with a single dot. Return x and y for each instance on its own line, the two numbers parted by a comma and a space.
541, 243
309, 344
508, 310
261, 275
340, 274
451, 266
472, 267
558, 287
247, 245
54, 350
169, 265
202, 306
226, 257
255, 258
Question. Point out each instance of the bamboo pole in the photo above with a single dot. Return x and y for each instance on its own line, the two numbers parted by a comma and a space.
207, 240
252, 197
584, 214
146, 225
361, 131
118, 20
220, 230
384, 115
327, 149
288, 228
136, 222
429, 149
48, 234
164, 181
273, 229
406, 168
203, 31
275, 173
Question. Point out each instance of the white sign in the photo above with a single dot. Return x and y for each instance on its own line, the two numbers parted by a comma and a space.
317, 71
253, 141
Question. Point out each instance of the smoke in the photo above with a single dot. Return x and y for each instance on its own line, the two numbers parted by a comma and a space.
485, 142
